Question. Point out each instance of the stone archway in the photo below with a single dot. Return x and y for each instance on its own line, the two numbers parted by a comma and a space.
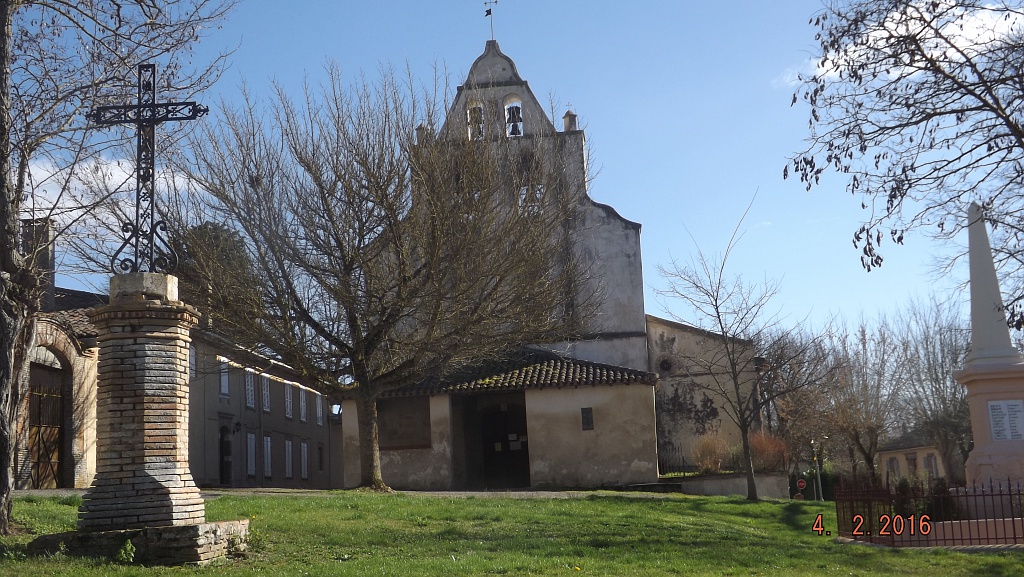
57, 417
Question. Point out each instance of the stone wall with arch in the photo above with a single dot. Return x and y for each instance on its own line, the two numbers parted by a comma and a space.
57, 347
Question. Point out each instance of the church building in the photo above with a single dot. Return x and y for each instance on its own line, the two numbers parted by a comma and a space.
579, 413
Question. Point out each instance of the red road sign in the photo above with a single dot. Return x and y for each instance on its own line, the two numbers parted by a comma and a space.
801, 484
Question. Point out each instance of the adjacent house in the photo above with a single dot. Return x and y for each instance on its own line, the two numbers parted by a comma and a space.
911, 455
252, 424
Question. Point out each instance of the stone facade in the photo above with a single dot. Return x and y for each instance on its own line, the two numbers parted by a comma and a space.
142, 475
71, 362
198, 544
496, 103
688, 405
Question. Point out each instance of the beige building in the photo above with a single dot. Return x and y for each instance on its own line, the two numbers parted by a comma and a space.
911, 456
689, 405
535, 419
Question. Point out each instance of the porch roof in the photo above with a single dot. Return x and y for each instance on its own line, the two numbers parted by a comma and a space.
527, 369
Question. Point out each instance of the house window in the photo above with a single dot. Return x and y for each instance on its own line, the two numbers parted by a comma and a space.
514, 119
587, 414
911, 463
250, 454
931, 465
530, 198
250, 389
225, 390
266, 456
288, 400
265, 382
302, 405
475, 122
304, 460
892, 467
319, 409
288, 459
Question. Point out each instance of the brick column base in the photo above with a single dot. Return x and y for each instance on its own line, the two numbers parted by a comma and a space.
142, 475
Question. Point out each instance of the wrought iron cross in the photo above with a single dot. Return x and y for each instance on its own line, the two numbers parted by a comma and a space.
150, 249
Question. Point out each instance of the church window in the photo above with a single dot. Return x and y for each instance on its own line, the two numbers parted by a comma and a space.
530, 199
403, 423
587, 415
514, 119
475, 122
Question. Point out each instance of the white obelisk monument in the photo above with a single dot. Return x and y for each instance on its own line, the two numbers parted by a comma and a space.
993, 371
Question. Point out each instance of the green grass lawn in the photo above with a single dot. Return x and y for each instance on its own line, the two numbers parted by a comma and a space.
358, 533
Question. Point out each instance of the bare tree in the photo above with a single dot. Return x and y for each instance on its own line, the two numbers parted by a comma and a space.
863, 394
934, 342
744, 345
795, 371
387, 253
918, 105
57, 59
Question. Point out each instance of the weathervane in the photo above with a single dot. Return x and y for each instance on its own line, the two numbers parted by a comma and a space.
490, 14
150, 250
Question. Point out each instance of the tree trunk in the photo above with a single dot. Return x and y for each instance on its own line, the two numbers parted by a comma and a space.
16, 334
369, 449
13, 297
748, 464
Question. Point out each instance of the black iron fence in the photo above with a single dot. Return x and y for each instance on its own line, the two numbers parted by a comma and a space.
918, 514
673, 461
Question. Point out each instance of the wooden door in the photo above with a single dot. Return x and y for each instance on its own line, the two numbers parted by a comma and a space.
46, 431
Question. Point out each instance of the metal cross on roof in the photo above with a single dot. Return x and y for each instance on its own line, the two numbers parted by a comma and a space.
150, 250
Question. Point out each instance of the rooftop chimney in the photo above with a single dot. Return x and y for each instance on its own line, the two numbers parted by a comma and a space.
569, 121
37, 245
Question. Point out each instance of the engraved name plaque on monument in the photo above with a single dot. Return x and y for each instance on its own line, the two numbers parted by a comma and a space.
1007, 418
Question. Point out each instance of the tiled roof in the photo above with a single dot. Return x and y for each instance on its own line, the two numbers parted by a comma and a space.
528, 369
70, 310
909, 440
75, 319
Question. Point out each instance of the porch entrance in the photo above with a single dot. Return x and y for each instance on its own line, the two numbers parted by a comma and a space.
494, 441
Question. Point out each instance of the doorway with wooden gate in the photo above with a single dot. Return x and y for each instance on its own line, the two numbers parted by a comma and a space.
48, 402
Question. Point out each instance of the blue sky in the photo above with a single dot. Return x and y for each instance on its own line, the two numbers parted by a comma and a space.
686, 105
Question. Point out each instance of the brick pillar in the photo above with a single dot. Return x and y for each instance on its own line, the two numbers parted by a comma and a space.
142, 475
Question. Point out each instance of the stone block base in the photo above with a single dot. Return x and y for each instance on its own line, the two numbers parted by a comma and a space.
198, 544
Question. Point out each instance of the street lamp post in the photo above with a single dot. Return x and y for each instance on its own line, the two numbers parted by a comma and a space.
817, 468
